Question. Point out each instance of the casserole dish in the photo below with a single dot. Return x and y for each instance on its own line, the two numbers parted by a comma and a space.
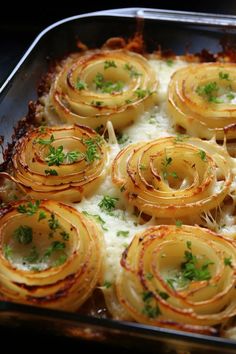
192, 32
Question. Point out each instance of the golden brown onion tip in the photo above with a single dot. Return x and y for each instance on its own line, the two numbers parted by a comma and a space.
202, 99
113, 85
62, 163
50, 255
184, 275
174, 176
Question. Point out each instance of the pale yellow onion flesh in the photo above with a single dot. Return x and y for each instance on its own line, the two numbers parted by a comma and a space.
70, 104
150, 260
195, 112
196, 179
64, 286
73, 180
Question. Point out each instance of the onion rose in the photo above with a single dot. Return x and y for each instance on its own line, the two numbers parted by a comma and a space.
62, 163
50, 255
173, 176
184, 275
102, 85
202, 99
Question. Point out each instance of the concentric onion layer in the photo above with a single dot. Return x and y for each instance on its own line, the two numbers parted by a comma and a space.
178, 274
62, 163
100, 86
50, 255
201, 98
174, 176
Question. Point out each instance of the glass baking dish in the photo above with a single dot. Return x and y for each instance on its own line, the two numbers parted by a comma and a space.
174, 30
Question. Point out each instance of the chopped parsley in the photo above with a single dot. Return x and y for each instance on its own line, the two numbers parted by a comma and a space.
224, 76
149, 310
122, 233
147, 295
81, 85
7, 251
33, 256
209, 92
57, 156
91, 153
55, 246
189, 244
163, 295
178, 223
61, 260
132, 70
142, 167
53, 223
149, 276
97, 218
169, 62
109, 64
230, 96
97, 103
51, 172
122, 138
42, 215
202, 155
23, 234
45, 141
141, 93
72, 156
108, 204
107, 86
29, 209
190, 270
165, 165
228, 262
65, 235
107, 284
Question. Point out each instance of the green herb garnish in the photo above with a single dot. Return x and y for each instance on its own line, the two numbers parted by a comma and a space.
51, 172
108, 204
122, 233
81, 85
109, 64
7, 251
97, 218
107, 86
23, 234
202, 155
228, 262
33, 256
55, 246
29, 209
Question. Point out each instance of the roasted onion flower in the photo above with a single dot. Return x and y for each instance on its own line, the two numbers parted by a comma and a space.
182, 275
62, 163
50, 255
202, 99
100, 86
173, 176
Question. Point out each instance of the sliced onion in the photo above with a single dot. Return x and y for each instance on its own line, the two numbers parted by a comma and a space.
204, 113
31, 272
76, 98
145, 289
173, 177
69, 181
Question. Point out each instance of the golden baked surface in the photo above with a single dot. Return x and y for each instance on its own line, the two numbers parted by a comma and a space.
141, 149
